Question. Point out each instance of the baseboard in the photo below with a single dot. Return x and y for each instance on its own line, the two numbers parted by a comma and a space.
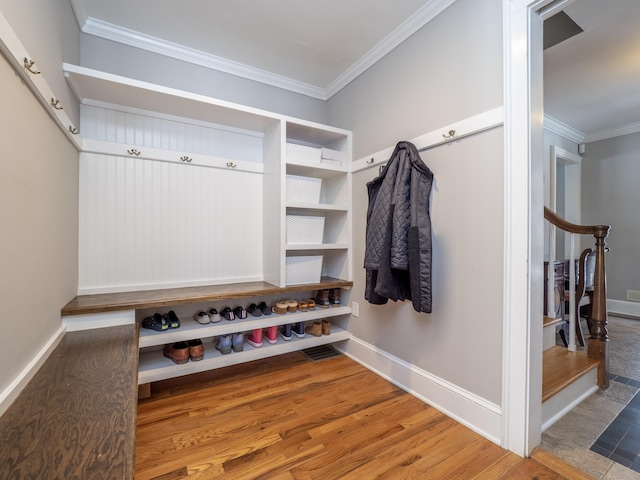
98, 320
476, 413
623, 308
563, 402
14, 388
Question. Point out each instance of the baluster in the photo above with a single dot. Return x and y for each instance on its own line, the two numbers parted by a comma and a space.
599, 339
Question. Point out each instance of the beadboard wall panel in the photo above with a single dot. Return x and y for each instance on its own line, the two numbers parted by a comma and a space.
149, 129
146, 224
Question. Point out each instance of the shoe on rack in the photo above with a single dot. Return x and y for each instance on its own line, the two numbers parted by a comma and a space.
311, 304
314, 329
237, 341
280, 308
334, 297
227, 314
254, 310
178, 352
292, 306
214, 315
255, 338
172, 318
272, 334
202, 317
326, 327
322, 298
298, 329
156, 322
285, 332
224, 344
240, 312
196, 350
264, 308
303, 306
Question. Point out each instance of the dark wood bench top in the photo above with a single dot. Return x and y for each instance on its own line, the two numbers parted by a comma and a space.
76, 419
111, 302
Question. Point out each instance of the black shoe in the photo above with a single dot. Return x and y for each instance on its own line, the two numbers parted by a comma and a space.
157, 322
240, 312
227, 314
254, 310
173, 320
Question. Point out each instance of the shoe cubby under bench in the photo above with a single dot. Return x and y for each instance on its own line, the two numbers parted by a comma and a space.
153, 366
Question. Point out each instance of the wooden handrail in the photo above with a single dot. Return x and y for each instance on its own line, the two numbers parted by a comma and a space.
598, 345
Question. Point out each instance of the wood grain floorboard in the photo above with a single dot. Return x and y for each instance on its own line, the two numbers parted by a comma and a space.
289, 418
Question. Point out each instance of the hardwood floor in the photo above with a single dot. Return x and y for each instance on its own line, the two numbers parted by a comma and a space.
291, 418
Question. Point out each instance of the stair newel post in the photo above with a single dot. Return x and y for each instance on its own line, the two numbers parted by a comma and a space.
598, 345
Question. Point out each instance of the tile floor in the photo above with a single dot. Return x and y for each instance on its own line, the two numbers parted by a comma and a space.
601, 436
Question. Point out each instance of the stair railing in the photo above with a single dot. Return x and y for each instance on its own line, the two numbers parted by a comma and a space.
598, 343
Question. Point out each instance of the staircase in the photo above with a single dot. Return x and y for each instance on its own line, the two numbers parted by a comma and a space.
569, 375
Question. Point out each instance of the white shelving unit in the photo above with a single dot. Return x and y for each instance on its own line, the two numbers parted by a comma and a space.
127, 122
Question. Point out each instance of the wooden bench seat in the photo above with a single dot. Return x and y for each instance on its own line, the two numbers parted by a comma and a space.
77, 417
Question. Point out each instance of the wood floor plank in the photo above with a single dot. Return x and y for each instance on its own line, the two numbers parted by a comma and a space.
298, 419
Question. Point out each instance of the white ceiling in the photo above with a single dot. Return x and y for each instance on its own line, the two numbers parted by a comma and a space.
592, 80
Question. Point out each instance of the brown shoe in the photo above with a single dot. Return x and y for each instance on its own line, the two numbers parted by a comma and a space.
326, 327
196, 350
334, 297
178, 352
314, 329
322, 298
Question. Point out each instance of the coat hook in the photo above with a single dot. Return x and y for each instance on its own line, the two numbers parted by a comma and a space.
371, 160
186, 159
452, 133
133, 151
56, 104
73, 130
28, 64
231, 165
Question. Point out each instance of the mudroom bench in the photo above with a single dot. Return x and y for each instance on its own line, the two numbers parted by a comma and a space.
76, 418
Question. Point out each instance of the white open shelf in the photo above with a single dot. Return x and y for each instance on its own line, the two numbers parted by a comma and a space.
154, 366
190, 329
316, 246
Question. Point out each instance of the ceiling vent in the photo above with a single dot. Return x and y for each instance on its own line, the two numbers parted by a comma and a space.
559, 28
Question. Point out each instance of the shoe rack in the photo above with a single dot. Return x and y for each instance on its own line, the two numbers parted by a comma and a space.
153, 366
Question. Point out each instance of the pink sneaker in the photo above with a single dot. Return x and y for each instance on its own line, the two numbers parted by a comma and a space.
255, 338
272, 334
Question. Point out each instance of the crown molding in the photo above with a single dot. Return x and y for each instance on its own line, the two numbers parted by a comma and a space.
132, 38
563, 130
153, 44
79, 12
612, 132
410, 26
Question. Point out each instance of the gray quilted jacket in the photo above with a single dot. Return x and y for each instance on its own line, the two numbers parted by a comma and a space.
398, 237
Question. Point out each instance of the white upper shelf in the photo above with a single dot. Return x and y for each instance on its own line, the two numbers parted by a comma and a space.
93, 85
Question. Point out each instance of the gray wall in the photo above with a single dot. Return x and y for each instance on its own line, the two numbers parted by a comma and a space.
38, 191
610, 196
448, 71
120, 59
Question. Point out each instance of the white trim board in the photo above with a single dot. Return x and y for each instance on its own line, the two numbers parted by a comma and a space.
74, 323
24, 377
476, 413
17, 55
464, 128
623, 308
